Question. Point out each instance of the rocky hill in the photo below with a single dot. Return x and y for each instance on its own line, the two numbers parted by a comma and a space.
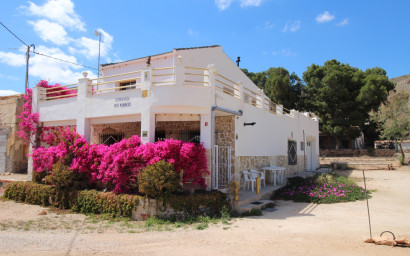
402, 83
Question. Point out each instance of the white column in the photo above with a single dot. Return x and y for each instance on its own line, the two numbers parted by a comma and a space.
179, 72
146, 82
260, 99
279, 109
241, 92
147, 126
83, 123
206, 130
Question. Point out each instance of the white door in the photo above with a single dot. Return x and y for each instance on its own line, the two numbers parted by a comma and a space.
310, 155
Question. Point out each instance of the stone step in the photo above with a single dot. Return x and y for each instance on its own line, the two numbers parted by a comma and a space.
260, 204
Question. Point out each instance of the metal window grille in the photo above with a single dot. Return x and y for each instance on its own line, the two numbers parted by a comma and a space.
292, 153
111, 138
192, 136
127, 84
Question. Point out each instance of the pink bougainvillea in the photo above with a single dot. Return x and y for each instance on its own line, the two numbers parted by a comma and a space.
120, 163
29, 122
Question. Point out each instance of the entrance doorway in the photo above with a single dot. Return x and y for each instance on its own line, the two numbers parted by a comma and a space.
310, 155
222, 163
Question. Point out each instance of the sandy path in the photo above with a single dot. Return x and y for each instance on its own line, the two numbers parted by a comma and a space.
294, 229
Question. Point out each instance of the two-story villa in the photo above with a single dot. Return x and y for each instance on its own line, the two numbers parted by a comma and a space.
191, 94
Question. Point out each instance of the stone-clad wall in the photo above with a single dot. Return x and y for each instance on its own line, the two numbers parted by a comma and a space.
225, 135
13, 150
129, 129
256, 162
173, 128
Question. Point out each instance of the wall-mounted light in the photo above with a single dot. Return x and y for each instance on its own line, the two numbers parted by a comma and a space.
245, 124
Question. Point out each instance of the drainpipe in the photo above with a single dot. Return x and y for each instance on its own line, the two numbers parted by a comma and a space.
304, 150
237, 113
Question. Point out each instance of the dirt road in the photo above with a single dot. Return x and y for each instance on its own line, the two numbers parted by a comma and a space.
293, 229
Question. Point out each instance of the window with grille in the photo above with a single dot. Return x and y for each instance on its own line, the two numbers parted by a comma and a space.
127, 85
292, 153
111, 138
159, 135
191, 136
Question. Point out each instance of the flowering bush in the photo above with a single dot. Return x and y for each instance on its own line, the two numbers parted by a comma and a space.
29, 122
118, 165
314, 190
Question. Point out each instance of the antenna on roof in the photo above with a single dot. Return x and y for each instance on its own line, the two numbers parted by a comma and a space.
149, 60
238, 60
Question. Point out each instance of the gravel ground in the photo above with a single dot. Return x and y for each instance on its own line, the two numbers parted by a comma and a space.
293, 229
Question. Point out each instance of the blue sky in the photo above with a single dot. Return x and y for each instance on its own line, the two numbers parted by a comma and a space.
265, 33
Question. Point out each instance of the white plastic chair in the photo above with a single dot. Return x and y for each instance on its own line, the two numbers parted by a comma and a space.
249, 179
259, 174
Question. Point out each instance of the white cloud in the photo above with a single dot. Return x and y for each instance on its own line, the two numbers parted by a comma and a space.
8, 92
288, 53
224, 4
344, 22
192, 32
324, 17
269, 25
60, 11
53, 70
251, 3
292, 26
284, 52
51, 32
13, 59
89, 47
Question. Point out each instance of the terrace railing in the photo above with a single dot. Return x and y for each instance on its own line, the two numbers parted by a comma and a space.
163, 76
59, 92
168, 76
127, 81
196, 76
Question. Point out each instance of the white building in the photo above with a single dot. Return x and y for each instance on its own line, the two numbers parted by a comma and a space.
188, 94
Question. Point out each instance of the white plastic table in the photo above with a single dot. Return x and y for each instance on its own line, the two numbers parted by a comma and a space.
277, 171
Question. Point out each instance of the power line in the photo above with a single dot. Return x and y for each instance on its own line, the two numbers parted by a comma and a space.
62, 60
13, 34
42, 53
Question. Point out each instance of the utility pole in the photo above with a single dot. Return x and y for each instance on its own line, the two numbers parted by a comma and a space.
27, 62
99, 48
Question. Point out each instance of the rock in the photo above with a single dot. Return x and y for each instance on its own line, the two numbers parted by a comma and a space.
402, 240
368, 240
384, 240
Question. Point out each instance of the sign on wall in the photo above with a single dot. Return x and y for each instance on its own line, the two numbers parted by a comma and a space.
122, 102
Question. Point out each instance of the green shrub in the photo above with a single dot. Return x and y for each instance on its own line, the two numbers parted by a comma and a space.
200, 203
38, 177
115, 205
63, 177
40, 194
85, 201
159, 180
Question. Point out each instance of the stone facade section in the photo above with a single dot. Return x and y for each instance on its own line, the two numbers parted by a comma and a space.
129, 129
225, 135
174, 129
257, 162
13, 150
291, 169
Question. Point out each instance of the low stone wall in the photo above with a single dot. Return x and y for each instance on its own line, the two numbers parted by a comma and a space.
150, 207
357, 152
